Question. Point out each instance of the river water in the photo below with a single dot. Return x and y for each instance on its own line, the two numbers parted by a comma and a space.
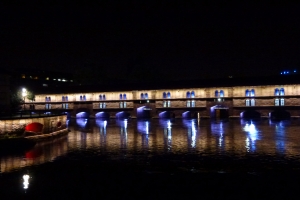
113, 159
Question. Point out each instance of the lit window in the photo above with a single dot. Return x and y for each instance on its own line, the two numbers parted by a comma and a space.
247, 93
188, 95
142, 95
121, 104
276, 92
71, 80
247, 102
221, 93
188, 103
124, 104
36, 77
169, 95
276, 102
192, 94
124, 96
252, 93
164, 95
216, 93
281, 91
67, 106
104, 105
47, 78
59, 79
193, 103
164, 104
54, 79
45, 85
169, 104
252, 102
101, 105
146, 95
282, 102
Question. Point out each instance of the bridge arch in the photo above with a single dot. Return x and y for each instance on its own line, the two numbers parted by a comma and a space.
82, 113
102, 115
250, 114
279, 115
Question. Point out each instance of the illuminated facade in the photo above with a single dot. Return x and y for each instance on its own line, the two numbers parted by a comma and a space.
219, 102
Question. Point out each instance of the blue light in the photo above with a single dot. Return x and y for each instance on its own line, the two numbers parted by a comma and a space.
295, 71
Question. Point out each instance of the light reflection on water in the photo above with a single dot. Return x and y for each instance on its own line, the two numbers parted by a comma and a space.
132, 137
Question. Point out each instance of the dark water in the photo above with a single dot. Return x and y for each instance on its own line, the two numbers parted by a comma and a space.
159, 159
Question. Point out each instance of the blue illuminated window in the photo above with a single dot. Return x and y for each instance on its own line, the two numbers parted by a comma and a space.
252, 93
63, 98
247, 93
84, 99
247, 102
193, 94
276, 92
100, 97
281, 91
252, 102
164, 95
188, 95
80, 98
276, 102
188, 103
142, 95
46, 99
104, 98
221, 93
121, 96
193, 103
169, 95
66, 98
124, 96
146, 95
216, 93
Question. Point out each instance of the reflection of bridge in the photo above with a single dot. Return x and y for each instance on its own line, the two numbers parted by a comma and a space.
221, 102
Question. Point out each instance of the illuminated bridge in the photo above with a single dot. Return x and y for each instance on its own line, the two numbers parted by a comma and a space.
272, 101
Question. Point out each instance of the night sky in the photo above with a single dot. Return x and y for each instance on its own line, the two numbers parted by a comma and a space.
178, 39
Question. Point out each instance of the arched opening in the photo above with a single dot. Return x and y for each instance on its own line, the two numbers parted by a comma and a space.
276, 92
219, 112
221, 93
247, 93
63, 98
34, 128
188, 95
143, 112
82, 113
146, 95
169, 95
80, 98
84, 98
100, 97
122, 115
279, 115
66, 98
121, 97
281, 91
192, 94
102, 115
252, 93
250, 114
165, 114
164, 95
124, 96
216, 93
142, 95
104, 98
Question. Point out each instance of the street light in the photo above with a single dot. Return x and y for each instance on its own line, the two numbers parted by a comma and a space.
24, 93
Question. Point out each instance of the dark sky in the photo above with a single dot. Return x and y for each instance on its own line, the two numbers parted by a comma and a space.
179, 38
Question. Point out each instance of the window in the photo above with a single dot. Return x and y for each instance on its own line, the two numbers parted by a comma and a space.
146, 95
124, 96
281, 91
164, 95
100, 97
221, 93
124, 104
252, 93
193, 103
247, 93
276, 102
66, 98
276, 92
192, 94
120, 96
247, 102
188, 103
252, 102
121, 104
142, 95
188, 95
80, 98
104, 98
169, 95
100, 105
164, 103
216, 93
63, 98
169, 104
84, 98
282, 101
104, 105
67, 106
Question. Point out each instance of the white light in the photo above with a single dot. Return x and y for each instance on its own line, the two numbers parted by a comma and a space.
104, 124
219, 99
26, 181
125, 123
169, 124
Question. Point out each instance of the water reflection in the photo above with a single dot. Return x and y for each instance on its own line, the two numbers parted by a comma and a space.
252, 135
130, 137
